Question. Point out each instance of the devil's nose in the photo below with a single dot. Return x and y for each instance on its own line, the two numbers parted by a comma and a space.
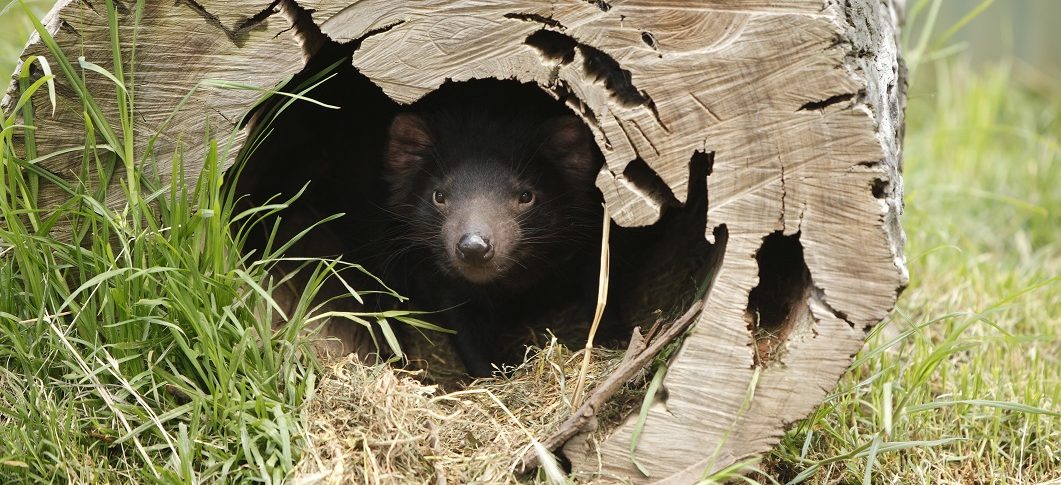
475, 248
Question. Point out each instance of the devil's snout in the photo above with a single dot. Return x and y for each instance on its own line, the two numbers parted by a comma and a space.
474, 248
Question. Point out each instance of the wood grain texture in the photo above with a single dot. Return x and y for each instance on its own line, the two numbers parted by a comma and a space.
800, 103
182, 44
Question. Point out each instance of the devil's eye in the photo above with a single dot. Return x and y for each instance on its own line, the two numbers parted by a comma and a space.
439, 197
526, 197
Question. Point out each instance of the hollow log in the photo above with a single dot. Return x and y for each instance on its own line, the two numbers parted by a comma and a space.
796, 108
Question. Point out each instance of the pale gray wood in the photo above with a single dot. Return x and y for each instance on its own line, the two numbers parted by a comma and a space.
181, 45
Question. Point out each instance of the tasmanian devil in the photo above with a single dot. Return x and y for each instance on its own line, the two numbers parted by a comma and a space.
497, 211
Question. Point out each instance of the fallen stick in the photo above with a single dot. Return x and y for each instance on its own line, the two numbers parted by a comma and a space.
638, 355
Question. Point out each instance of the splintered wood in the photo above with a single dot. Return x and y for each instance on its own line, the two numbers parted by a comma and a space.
799, 101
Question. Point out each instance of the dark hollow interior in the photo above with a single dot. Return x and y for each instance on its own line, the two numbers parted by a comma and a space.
336, 155
776, 304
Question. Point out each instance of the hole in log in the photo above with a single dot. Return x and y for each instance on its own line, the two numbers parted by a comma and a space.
553, 46
778, 302
656, 273
618, 81
825, 103
531, 17
879, 188
649, 183
649, 39
598, 66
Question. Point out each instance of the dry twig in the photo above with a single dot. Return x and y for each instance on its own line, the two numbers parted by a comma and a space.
602, 300
638, 356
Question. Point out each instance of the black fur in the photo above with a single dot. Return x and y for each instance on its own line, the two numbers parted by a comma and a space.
462, 161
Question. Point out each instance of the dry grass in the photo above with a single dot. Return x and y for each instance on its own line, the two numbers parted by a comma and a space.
375, 424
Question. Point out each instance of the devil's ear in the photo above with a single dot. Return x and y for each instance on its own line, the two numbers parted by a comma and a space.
569, 143
407, 141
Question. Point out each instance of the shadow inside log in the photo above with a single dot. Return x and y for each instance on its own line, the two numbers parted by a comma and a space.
336, 154
664, 267
327, 152
779, 302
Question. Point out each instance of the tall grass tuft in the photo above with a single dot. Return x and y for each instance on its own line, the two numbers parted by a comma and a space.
137, 344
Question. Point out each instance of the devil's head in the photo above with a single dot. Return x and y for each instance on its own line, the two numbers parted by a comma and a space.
496, 198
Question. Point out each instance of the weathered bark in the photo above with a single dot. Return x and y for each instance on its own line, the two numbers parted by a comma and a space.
182, 44
798, 103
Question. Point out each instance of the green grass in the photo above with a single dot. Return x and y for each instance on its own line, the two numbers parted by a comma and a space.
15, 29
141, 353
963, 383
139, 345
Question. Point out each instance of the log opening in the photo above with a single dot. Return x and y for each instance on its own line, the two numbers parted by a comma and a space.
778, 303
334, 156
